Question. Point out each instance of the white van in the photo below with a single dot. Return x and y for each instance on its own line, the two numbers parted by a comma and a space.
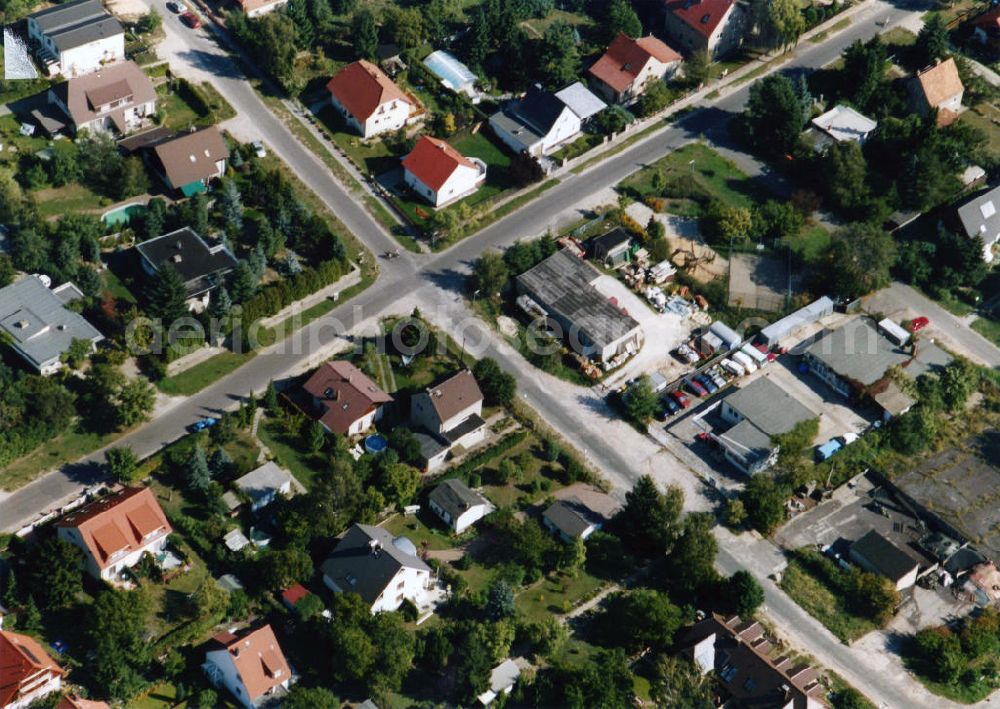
759, 358
731, 367
744, 360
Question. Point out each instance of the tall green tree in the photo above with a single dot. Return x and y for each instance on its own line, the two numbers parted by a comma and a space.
621, 17
116, 629
691, 561
166, 295
774, 117
638, 619
932, 41
859, 260
365, 34
121, 462
559, 59
764, 500
864, 70
677, 682
648, 523
56, 573
134, 403
845, 173
640, 401
197, 474
490, 275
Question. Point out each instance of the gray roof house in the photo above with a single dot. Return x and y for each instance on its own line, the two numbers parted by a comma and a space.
76, 37
757, 412
201, 266
563, 286
980, 216
875, 553
37, 324
571, 519
382, 569
457, 505
262, 485
859, 353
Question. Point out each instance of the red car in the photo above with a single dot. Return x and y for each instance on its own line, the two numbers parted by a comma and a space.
918, 324
191, 20
696, 387
680, 398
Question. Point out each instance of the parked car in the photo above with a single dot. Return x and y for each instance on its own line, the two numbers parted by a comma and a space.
258, 149
202, 424
680, 398
918, 324
695, 387
175, 8
191, 20
716, 374
670, 404
706, 381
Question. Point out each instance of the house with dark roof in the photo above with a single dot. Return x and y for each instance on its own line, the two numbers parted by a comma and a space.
717, 27
612, 249
38, 326
938, 88
251, 667
439, 173
739, 653
623, 72
189, 162
756, 413
457, 505
114, 99
382, 569
541, 121
116, 530
202, 267
451, 411
562, 288
344, 399
855, 359
76, 38
27, 673
369, 100
571, 519
980, 217
876, 554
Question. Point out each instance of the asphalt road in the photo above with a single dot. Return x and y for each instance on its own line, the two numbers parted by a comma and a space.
440, 277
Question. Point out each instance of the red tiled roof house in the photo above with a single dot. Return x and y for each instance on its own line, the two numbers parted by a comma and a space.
251, 667
256, 8
368, 99
623, 72
72, 701
439, 173
344, 399
115, 531
715, 26
27, 673
938, 87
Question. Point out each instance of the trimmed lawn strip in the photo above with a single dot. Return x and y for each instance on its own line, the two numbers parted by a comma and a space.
74, 197
820, 601
62, 449
988, 328
424, 534
628, 142
557, 595
193, 380
497, 214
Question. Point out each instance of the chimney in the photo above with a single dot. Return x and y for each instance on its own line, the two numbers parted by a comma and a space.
375, 546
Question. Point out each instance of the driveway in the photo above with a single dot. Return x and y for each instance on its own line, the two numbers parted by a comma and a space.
901, 302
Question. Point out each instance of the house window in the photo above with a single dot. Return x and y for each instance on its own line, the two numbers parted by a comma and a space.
400, 585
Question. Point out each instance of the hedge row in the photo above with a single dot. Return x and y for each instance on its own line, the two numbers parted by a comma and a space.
483, 457
280, 294
193, 96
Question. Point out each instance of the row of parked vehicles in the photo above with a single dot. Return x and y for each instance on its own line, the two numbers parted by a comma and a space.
737, 363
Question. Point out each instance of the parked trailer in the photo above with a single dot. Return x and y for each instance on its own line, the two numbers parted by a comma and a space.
759, 358
745, 361
732, 367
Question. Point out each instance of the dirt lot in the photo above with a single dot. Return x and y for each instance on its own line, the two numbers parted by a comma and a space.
761, 282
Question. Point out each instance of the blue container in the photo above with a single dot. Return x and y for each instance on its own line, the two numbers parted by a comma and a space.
376, 444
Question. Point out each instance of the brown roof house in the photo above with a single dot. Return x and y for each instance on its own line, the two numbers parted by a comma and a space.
439, 173
344, 399
251, 667
115, 531
623, 72
938, 87
739, 653
368, 99
189, 162
27, 673
114, 99
72, 701
714, 26
450, 412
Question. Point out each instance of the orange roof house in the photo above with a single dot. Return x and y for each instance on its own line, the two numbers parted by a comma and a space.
938, 87
368, 99
252, 667
71, 701
441, 174
623, 70
345, 400
714, 26
115, 531
27, 672
256, 8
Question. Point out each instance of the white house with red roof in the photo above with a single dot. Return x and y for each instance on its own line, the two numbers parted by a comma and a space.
440, 174
623, 72
368, 99
27, 673
115, 531
344, 399
251, 667
715, 26
256, 8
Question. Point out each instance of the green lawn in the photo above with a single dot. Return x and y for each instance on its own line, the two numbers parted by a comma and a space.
193, 380
176, 113
423, 530
74, 197
981, 116
695, 171
988, 328
821, 601
221, 110
556, 595
65, 447
811, 244
372, 157
162, 696
115, 287
578, 147
477, 145
290, 453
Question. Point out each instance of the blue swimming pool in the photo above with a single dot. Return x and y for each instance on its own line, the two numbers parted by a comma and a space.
122, 215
